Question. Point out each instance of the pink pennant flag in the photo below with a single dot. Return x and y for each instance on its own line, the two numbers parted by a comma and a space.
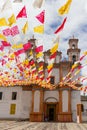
60, 28
5, 43
14, 30
17, 53
1, 47
39, 49
27, 46
40, 16
3, 62
7, 32
22, 13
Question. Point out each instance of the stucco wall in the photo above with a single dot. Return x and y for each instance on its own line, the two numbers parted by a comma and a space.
26, 102
75, 99
49, 94
7, 101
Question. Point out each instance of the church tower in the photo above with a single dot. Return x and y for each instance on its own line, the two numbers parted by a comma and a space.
73, 52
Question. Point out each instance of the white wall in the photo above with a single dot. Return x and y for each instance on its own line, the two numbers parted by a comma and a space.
23, 102
7, 101
50, 94
36, 101
26, 102
65, 101
75, 99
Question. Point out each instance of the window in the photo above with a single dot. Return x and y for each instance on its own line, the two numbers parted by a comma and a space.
73, 46
12, 109
14, 95
0, 95
52, 79
82, 108
73, 58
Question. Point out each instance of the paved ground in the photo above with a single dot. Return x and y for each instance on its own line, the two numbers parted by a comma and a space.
25, 125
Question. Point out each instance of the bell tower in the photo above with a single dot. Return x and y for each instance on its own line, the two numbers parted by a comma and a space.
73, 52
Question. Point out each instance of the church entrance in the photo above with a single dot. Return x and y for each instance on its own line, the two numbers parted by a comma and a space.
51, 112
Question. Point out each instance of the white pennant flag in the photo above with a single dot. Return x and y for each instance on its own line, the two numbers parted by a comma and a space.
37, 3
17, 1
7, 5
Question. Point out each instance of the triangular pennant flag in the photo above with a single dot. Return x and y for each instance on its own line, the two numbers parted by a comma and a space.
14, 30
7, 5
39, 29
3, 37
37, 3
5, 43
61, 26
25, 28
54, 48
12, 20
65, 8
17, 1
22, 13
40, 16
3, 22
6, 32
39, 49
17, 46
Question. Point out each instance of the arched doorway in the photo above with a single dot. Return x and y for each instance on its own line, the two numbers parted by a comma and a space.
50, 109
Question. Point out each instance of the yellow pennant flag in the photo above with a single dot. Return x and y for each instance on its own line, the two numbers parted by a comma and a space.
50, 66
15, 70
25, 28
65, 8
17, 46
40, 68
39, 29
12, 55
85, 53
3, 22
40, 54
77, 72
12, 20
3, 37
54, 48
30, 53
8, 65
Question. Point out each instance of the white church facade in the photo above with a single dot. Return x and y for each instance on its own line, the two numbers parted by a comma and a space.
39, 104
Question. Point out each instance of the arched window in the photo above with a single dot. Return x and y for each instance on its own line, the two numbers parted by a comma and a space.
73, 58
73, 46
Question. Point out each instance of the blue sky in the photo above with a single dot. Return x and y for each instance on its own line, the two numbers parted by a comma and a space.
76, 23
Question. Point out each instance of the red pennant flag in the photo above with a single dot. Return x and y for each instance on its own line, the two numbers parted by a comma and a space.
81, 58
27, 46
14, 30
1, 47
53, 56
6, 32
61, 26
5, 43
19, 52
49, 70
39, 49
3, 62
22, 13
40, 17
31, 62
